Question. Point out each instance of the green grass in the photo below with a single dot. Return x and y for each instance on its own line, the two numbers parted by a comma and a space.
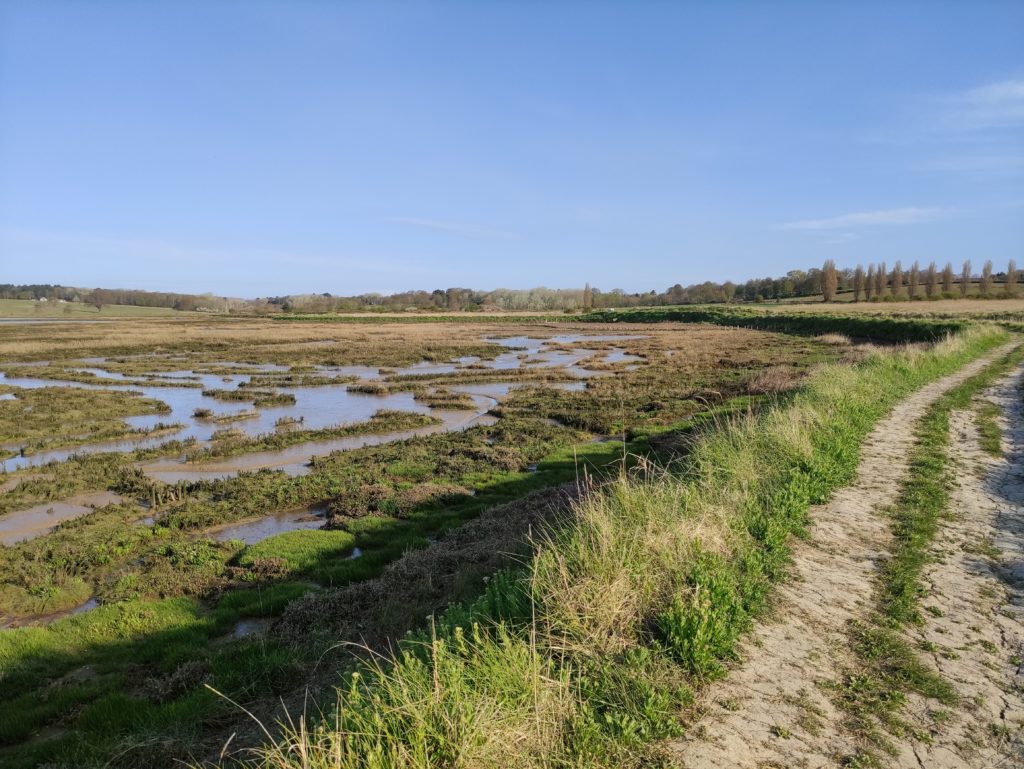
173, 644
999, 291
594, 649
986, 416
300, 551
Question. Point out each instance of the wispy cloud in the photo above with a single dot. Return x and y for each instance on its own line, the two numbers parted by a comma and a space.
885, 217
973, 132
988, 107
456, 228
41, 244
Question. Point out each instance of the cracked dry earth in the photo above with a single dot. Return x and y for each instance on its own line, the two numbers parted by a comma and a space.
775, 710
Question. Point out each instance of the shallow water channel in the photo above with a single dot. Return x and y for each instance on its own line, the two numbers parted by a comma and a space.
315, 406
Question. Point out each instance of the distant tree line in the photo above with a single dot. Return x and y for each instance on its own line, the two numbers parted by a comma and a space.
101, 297
875, 284
467, 300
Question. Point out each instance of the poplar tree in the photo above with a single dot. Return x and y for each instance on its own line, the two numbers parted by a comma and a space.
986, 277
947, 279
897, 279
965, 279
1011, 278
829, 280
931, 280
869, 284
858, 283
913, 280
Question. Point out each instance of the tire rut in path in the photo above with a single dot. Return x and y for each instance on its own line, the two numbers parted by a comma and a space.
772, 710
974, 619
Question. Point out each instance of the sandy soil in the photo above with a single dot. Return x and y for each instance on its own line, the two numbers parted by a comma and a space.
773, 709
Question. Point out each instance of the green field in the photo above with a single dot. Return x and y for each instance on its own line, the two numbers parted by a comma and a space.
26, 308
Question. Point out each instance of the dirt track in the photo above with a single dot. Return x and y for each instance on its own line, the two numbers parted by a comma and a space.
774, 708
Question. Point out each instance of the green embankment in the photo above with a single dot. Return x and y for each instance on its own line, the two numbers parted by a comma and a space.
594, 649
890, 329
54, 310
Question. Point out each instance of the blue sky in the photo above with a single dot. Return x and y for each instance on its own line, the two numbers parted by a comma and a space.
256, 148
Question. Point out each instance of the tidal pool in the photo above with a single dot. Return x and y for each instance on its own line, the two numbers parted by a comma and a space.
43, 518
252, 531
315, 407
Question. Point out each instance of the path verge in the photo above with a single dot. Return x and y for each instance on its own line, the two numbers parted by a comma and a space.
775, 709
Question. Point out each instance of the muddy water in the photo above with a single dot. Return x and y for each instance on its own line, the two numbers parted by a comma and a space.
533, 345
295, 459
252, 627
41, 519
493, 390
621, 356
316, 407
46, 619
252, 531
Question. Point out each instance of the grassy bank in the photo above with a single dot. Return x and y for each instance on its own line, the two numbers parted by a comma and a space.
595, 649
889, 329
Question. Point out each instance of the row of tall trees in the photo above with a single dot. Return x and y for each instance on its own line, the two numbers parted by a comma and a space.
878, 282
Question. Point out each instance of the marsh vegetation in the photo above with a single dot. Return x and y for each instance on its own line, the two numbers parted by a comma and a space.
368, 443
